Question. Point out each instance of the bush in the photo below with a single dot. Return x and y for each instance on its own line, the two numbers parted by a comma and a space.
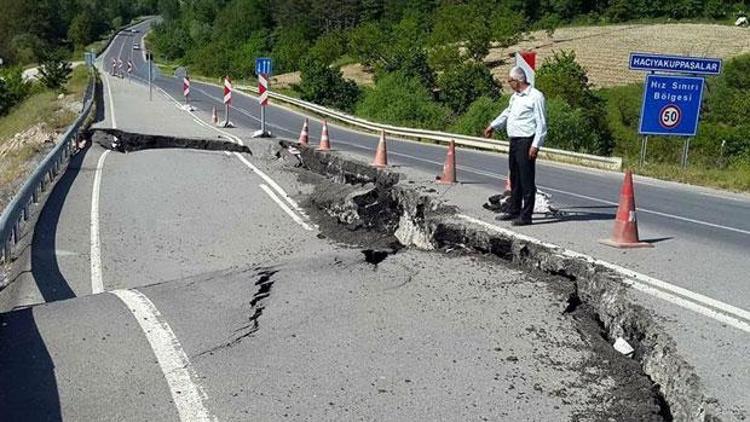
291, 45
463, 84
623, 115
17, 88
324, 85
570, 129
55, 71
479, 115
6, 101
402, 100
561, 77
329, 47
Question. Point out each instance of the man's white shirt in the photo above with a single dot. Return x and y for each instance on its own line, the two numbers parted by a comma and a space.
525, 116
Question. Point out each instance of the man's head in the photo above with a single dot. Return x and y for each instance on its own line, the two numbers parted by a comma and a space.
517, 79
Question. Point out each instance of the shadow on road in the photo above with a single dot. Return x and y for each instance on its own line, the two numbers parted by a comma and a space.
577, 216
28, 390
44, 265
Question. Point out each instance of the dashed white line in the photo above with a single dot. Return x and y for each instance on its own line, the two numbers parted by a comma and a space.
706, 306
187, 394
97, 285
284, 207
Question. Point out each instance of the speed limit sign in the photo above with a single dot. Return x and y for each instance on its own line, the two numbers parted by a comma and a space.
670, 116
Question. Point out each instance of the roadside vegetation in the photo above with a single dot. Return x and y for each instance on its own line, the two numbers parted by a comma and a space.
47, 33
429, 60
31, 127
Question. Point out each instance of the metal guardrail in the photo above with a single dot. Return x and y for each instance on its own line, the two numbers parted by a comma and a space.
18, 210
610, 163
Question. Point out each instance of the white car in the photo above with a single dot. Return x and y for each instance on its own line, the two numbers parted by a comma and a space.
136, 47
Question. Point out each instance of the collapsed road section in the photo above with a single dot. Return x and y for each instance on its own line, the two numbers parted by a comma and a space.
118, 140
361, 198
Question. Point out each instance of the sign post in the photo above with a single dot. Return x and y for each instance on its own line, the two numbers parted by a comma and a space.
263, 68
149, 59
186, 92
227, 101
671, 103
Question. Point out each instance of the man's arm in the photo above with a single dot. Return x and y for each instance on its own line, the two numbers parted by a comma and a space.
540, 117
498, 123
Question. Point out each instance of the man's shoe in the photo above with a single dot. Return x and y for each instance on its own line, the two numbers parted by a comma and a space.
520, 222
506, 217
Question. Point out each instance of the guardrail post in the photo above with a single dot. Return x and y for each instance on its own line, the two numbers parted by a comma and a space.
5, 255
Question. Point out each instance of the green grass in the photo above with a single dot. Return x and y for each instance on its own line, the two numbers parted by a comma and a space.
40, 107
734, 178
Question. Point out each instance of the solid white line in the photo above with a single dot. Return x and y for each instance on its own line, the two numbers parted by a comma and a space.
111, 102
271, 182
187, 395
284, 207
97, 285
706, 306
257, 171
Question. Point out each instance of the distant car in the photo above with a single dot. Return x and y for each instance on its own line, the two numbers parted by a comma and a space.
135, 31
136, 47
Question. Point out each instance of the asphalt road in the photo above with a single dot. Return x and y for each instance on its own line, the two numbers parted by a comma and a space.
684, 222
186, 285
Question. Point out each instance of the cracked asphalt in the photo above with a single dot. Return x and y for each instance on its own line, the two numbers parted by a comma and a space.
276, 322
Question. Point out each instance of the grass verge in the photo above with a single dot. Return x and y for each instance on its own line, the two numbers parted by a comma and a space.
43, 109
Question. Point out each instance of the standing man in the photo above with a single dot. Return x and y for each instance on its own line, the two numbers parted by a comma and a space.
526, 124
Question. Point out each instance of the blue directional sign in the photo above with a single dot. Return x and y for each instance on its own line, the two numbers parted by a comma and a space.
671, 105
263, 66
674, 64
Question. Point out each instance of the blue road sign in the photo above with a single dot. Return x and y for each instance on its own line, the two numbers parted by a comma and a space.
675, 64
263, 66
671, 105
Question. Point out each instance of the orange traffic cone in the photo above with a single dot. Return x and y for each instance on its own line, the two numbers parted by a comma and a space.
449, 168
214, 117
381, 153
625, 233
325, 143
303, 136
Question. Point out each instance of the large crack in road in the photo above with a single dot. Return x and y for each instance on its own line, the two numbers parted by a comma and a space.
355, 203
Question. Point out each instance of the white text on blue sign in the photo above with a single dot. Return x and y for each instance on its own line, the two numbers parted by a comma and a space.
696, 65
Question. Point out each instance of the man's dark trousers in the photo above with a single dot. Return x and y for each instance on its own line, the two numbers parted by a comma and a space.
522, 175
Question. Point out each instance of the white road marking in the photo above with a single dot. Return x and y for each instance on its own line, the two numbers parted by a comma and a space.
97, 285
281, 192
111, 102
187, 395
284, 207
273, 184
706, 306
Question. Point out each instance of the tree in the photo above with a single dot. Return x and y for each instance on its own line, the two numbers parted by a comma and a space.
561, 77
55, 70
291, 45
81, 30
324, 85
507, 26
479, 114
329, 47
402, 100
460, 86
